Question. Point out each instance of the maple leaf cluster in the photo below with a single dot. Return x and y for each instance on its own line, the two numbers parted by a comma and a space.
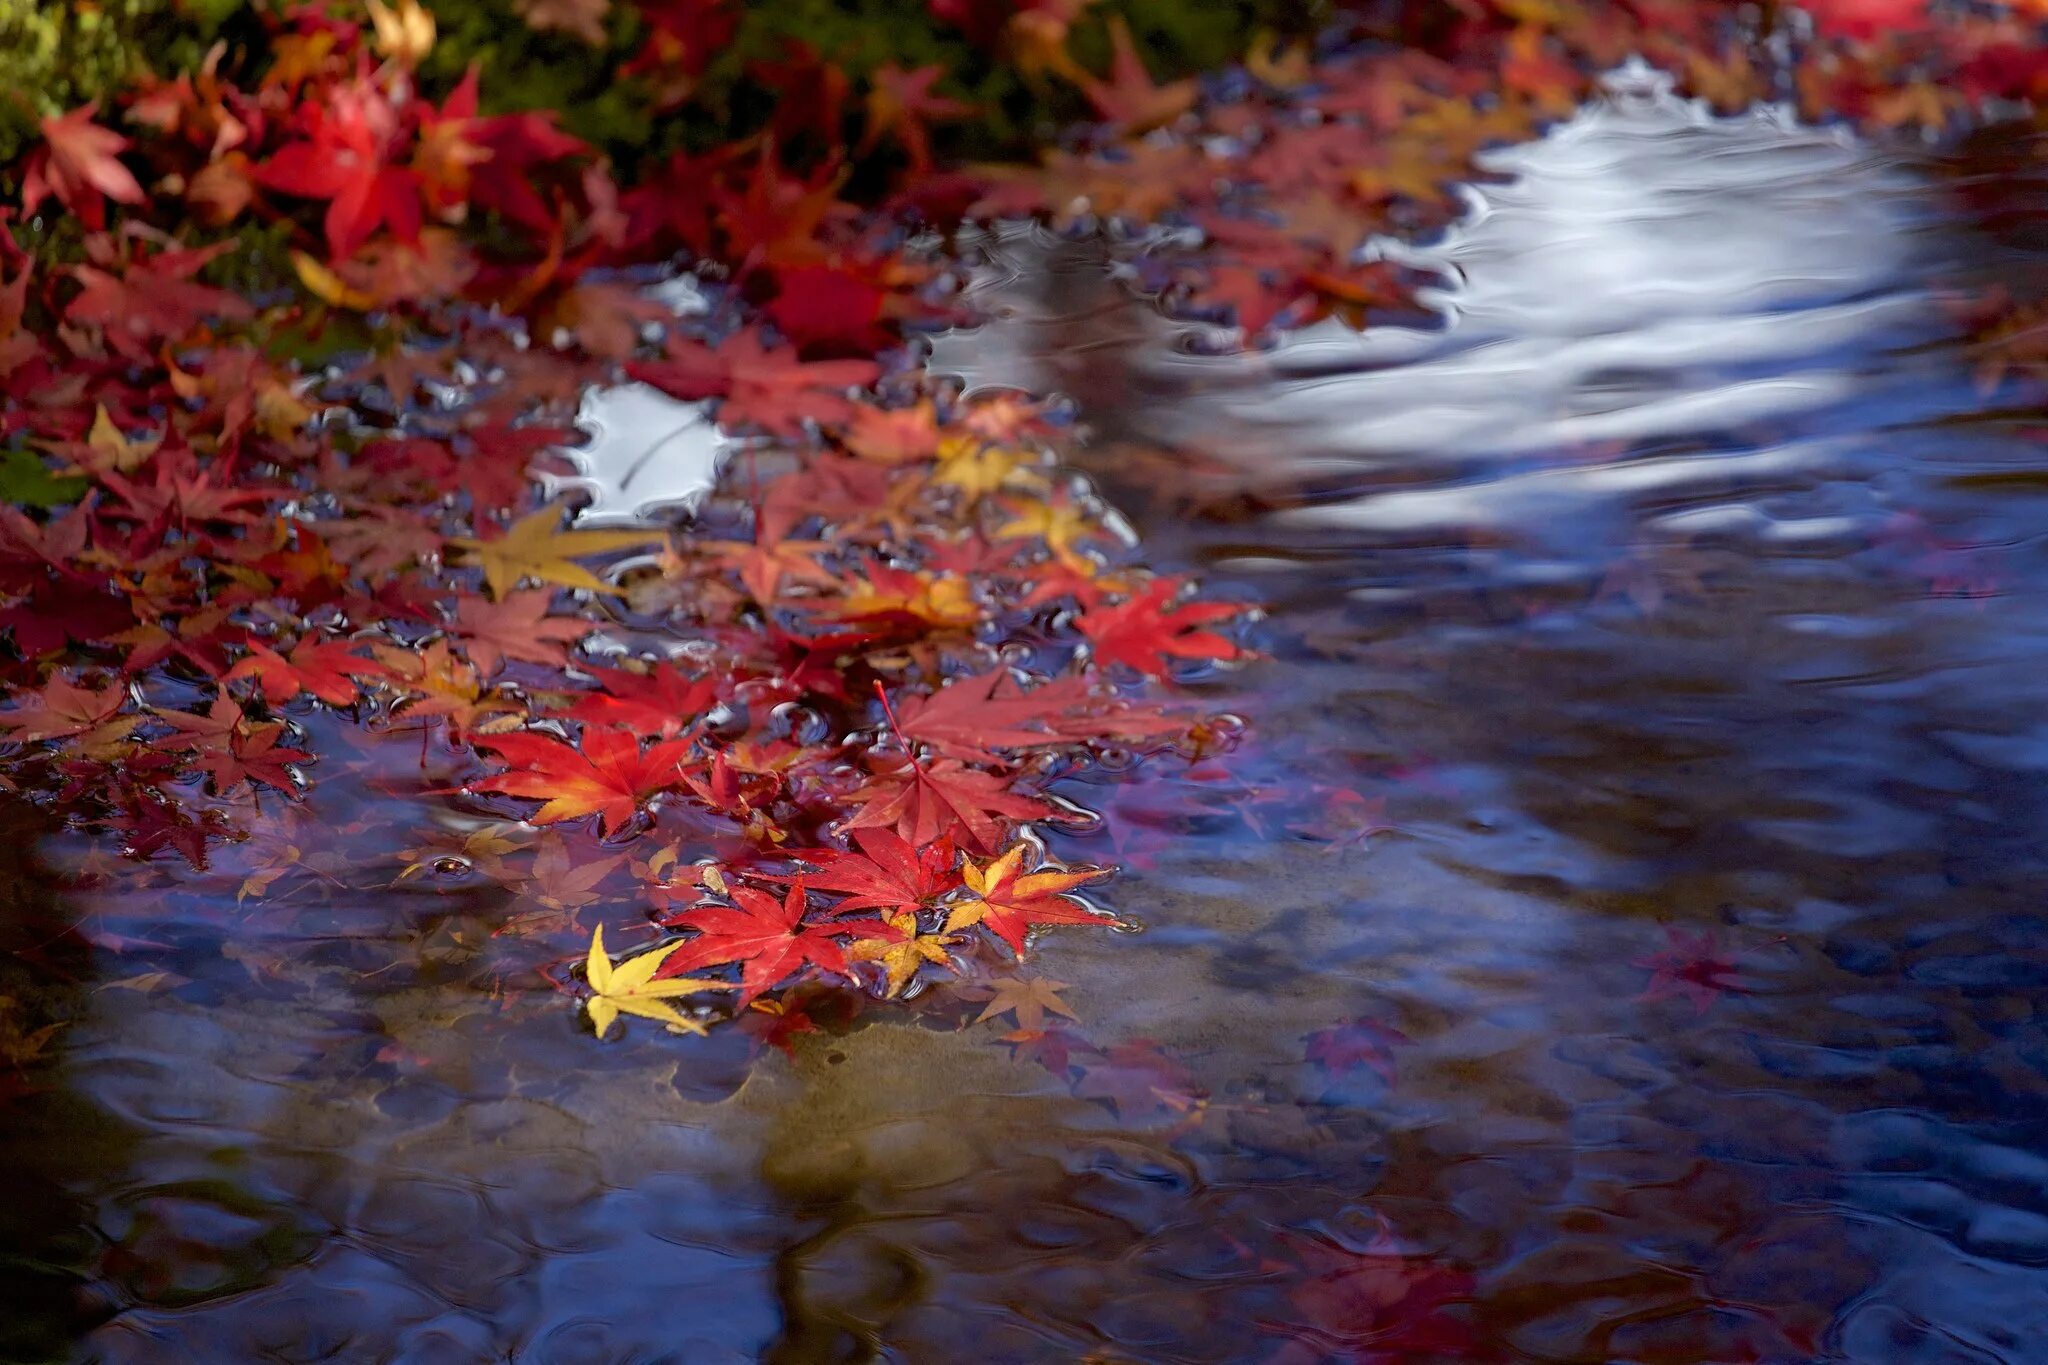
391, 198
236, 583
835, 703
870, 593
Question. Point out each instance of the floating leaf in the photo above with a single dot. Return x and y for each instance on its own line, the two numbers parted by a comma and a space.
537, 547
629, 987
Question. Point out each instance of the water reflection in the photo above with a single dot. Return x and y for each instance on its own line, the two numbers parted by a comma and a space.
1674, 579
1684, 648
1701, 296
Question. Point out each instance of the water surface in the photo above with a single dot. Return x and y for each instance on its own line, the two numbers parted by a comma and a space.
1621, 938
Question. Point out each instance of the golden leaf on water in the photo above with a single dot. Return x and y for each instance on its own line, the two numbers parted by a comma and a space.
629, 987
537, 547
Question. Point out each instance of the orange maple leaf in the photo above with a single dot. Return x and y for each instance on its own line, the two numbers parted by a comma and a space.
63, 709
608, 776
1010, 901
1128, 100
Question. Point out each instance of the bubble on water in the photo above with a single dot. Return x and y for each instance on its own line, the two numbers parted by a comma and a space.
727, 721
1070, 817
1115, 758
800, 724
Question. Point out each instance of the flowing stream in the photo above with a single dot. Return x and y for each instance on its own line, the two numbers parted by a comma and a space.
1659, 635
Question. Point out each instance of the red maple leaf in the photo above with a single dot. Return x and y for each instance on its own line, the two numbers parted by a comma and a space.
886, 873
901, 104
925, 803
1129, 100
78, 163
515, 627
1381, 1303
1052, 1048
814, 95
63, 708
779, 1023
1146, 632
151, 825
1691, 966
828, 486
492, 459
1865, 19
1362, 1042
1138, 1079
971, 717
664, 701
344, 159
519, 144
487, 461
766, 387
773, 217
829, 308
327, 669
231, 748
769, 937
212, 728
152, 300
609, 775
180, 494
682, 37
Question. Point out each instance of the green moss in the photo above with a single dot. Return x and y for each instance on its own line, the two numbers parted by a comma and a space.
59, 54
523, 69
54, 55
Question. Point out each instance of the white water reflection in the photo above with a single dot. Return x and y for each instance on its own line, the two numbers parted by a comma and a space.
1685, 290
646, 454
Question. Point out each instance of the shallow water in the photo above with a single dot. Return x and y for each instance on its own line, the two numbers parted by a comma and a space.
1675, 596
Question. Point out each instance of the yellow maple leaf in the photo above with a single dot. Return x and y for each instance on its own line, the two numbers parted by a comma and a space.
1061, 522
1278, 65
1010, 901
900, 958
976, 467
629, 987
330, 288
111, 448
20, 1047
536, 546
405, 31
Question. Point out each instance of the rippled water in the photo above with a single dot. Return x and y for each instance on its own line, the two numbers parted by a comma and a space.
1678, 594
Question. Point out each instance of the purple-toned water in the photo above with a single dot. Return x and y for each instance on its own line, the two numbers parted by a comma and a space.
1667, 989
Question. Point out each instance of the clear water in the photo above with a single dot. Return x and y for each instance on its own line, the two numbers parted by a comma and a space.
1680, 580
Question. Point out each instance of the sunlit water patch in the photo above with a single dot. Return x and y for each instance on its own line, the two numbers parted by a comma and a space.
1651, 320
1621, 938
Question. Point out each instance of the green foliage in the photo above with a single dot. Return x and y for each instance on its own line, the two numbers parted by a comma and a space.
618, 114
58, 54
554, 70
26, 481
